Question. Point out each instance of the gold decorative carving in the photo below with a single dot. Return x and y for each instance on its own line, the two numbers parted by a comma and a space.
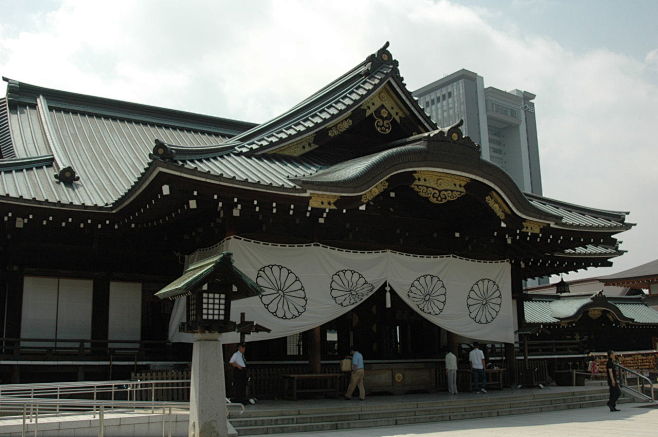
383, 121
439, 187
297, 148
595, 313
498, 205
384, 107
323, 201
374, 191
339, 127
532, 227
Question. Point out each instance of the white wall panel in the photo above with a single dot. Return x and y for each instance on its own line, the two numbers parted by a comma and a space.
74, 308
125, 312
39, 314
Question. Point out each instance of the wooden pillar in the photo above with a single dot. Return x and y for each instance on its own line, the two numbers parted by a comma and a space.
100, 314
518, 296
510, 357
14, 304
315, 349
452, 342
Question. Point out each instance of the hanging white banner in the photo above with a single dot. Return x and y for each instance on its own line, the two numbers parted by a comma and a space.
305, 286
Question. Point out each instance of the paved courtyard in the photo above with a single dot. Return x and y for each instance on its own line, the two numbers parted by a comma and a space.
632, 421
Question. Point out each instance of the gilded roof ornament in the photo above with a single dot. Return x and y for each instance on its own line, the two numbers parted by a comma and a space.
323, 201
297, 148
384, 107
340, 127
532, 227
498, 205
374, 191
439, 187
382, 56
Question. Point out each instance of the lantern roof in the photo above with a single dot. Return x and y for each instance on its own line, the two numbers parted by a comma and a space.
219, 267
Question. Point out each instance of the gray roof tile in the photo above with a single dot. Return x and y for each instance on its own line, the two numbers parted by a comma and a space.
550, 310
578, 216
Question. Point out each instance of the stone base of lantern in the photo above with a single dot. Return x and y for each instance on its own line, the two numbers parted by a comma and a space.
208, 416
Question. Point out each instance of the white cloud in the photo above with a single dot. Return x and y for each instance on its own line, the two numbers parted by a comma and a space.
253, 60
652, 60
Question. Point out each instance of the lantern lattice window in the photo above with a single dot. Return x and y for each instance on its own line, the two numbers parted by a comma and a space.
213, 306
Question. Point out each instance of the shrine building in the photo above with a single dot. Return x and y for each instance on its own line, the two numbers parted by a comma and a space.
361, 220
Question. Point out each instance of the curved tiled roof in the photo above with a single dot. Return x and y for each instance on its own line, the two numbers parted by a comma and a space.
270, 170
551, 309
575, 215
108, 154
107, 143
593, 250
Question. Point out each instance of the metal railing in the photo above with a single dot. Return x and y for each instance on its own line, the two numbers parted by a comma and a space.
34, 402
641, 383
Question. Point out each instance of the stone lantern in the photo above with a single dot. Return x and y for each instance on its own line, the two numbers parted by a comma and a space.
209, 287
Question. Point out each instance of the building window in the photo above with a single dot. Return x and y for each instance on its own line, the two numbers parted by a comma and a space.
294, 345
332, 342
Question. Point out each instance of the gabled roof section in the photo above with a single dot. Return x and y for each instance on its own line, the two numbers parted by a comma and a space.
371, 85
555, 309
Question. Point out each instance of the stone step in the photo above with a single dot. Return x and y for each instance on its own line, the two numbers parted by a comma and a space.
366, 423
351, 406
328, 415
390, 415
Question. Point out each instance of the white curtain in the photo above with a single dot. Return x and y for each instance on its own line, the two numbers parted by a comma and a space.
305, 286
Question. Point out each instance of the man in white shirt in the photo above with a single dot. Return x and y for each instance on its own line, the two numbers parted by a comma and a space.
476, 357
239, 365
451, 372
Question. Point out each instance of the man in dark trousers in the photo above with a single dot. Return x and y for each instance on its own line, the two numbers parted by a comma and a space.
239, 365
613, 381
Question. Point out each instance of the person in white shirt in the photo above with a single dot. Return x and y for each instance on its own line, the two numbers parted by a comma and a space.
476, 357
239, 365
451, 372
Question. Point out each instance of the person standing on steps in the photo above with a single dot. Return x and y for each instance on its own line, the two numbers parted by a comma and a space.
451, 372
613, 381
239, 365
358, 373
476, 357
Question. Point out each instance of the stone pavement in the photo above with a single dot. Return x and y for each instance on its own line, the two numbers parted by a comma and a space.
632, 421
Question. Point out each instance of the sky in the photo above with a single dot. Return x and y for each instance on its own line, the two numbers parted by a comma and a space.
593, 65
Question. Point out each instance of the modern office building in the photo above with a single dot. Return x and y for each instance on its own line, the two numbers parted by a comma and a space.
502, 122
